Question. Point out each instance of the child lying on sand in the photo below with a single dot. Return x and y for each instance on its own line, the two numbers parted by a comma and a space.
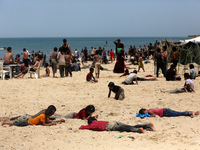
95, 125
166, 112
84, 114
42, 119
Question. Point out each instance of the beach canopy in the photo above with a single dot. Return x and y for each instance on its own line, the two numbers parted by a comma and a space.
194, 40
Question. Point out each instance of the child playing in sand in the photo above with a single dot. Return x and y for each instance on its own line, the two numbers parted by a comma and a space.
166, 112
42, 119
84, 114
193, 72
95, 125
140, 63
90, 76
46, 70
188, 86
119, 91
126, 72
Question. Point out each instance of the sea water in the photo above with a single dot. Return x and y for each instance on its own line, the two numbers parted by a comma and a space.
46, 45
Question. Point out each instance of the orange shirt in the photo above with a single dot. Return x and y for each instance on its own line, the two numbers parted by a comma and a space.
38, 120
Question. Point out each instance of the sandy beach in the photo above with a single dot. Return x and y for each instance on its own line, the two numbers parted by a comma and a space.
28, 96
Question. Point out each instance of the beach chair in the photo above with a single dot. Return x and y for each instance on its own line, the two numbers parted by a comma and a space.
3, 72
36, 72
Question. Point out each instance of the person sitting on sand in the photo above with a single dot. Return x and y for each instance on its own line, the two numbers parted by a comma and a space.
188, 86
90, 77
47, 71
170, 75
42, 119
126, 72
166, 112
193, 72
95, 125
84, 114
119, 91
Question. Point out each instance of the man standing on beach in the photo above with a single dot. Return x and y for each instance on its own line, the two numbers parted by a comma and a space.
67, 65
85, 54
97, 63
8, 56
25, 57
66, 47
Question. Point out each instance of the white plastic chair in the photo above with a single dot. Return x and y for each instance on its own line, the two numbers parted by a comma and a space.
2, 71
36, 72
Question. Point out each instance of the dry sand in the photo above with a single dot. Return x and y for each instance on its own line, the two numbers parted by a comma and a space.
21, 96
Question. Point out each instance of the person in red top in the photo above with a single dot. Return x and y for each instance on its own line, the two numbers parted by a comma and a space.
90, 76
84, 113
95, 125
126, 72
111, 55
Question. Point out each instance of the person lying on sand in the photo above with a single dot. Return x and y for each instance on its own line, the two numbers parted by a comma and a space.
27, 116
166, 112
42, 119
188, 86
119, 91
95, 125
84, 114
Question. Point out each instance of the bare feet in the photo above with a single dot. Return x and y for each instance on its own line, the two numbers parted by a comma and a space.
152, 127
162, 91
192, 114
142, 130
197, 112
2, 123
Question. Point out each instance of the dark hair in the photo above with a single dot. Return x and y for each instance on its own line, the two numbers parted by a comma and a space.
91, 119
127, 71
24, 49
174, 48
46, 64
158, 49
172, 66
50, 110
9, 48
142, 111
191, 66
55, 49
111, 84
165, 47
64, 40
135, 71
91, 69
186, 75
90, 108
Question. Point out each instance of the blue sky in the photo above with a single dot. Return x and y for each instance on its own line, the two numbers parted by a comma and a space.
103, 18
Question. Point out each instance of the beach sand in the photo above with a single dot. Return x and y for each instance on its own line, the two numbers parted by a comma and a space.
21, 96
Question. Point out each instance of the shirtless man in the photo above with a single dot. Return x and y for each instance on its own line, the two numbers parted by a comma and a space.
54, 61
97, 63
8, 56
25, 57
67, 65
67, 48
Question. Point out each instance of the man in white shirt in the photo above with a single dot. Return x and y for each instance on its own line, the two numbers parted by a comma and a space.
131, 77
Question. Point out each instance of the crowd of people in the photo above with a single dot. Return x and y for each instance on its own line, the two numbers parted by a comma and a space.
68, 62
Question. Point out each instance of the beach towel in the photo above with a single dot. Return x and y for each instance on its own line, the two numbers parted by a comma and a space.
142, 115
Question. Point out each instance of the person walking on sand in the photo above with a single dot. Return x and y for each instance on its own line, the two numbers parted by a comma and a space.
54, 61
158, 60
61, 60
176, 55
68, 58
97, 63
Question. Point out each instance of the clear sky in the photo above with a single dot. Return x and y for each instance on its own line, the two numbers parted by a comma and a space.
99, 18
